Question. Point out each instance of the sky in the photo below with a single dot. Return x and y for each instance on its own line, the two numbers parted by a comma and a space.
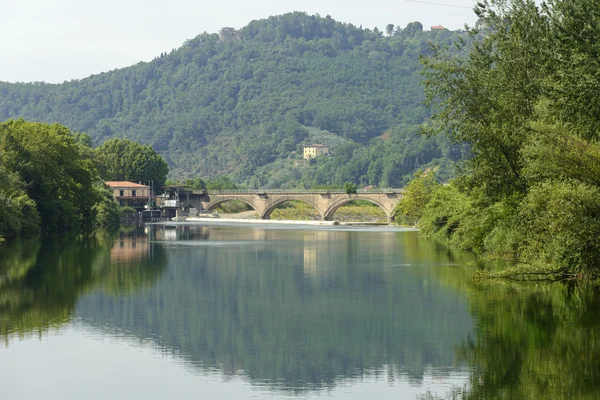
61, 40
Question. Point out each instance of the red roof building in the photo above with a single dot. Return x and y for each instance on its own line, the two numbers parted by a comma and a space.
130, 194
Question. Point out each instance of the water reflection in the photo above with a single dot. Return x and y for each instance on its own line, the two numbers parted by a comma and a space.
41, 282
296, 310
287, 312
533, 342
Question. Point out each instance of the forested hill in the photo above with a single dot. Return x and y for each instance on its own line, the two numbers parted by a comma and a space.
243, 107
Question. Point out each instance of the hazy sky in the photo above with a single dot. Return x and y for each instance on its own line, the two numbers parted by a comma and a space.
58, 40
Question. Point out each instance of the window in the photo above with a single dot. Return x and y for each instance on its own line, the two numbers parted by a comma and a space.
121, 193
133, 193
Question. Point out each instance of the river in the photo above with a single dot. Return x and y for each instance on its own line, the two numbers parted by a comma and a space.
184, 311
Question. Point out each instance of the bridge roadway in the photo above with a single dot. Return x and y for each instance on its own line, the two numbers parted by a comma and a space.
326, 202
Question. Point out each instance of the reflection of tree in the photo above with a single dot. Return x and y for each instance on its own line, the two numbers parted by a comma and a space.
535, 342
40, 283
258, 308
133, 263
45, 290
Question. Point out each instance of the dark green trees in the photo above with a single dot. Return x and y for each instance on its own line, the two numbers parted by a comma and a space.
48, 182
124, 160
53, 172
523, 99
18, 212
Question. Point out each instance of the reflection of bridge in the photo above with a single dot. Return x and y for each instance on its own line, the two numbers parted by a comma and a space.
326, 202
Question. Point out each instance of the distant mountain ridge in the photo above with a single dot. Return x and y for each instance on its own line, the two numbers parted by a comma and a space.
244, 107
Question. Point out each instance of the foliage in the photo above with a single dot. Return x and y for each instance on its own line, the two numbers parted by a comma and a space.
221, 183
349, 188
124, 160
530, 192
416, 195
244, 108
18, 213
563, 225
107, 210
46, 168
487, 98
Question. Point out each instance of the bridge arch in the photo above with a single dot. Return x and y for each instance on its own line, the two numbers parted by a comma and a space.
213, 204
330, 212
274, 204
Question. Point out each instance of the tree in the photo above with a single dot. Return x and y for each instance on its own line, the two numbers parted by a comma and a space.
125, 160
487, 98
416, 196
389, 29
18, 212
54, 172
349, 188
523, 98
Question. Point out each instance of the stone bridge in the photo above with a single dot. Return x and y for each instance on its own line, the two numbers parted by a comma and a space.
326, 202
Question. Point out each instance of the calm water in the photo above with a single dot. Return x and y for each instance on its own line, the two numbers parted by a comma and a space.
188, 311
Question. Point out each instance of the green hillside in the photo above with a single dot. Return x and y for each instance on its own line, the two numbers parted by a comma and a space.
244, 107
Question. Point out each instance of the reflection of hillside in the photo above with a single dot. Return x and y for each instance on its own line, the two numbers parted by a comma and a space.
267, 310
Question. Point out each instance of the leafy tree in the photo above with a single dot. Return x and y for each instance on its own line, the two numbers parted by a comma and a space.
106, 209
521, 100
487, 98
389, 29
18, 212
350, 188
48, 182
415, 197
56, 176
124, 160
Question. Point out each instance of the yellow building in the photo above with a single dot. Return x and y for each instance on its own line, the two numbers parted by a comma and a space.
129, 193
315, 150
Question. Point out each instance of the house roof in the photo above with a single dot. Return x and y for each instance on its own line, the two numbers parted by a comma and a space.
124, 184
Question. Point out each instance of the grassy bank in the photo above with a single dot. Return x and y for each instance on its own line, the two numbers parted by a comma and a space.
354, 211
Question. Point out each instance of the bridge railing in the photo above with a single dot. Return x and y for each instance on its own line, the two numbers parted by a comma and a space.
301, 191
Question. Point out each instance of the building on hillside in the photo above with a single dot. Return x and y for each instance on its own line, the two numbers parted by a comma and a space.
437, 28
129, 194
315, 150
227, 34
